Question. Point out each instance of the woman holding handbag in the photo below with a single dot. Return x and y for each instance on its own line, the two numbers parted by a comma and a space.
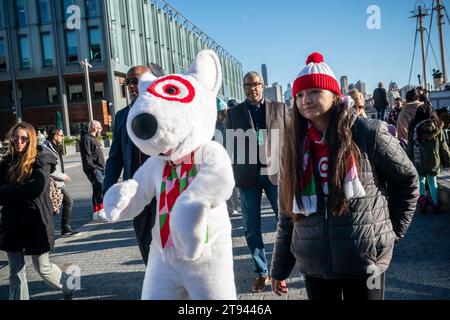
27, 213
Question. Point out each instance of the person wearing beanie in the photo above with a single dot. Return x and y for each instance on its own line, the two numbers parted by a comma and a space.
256, 158
221, 115
348, 192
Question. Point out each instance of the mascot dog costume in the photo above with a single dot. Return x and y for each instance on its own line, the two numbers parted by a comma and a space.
173, 121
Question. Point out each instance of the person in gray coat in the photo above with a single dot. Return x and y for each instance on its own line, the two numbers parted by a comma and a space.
53, 144
348, 192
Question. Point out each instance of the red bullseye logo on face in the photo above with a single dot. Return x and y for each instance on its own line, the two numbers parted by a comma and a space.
173, 88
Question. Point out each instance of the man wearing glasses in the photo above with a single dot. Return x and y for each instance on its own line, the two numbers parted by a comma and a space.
125, 155
94, 167
263, 122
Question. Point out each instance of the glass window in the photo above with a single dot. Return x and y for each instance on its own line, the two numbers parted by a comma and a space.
52, 93
125, 46
2, 56
75, 92
48, 55
1, 20
123, 88
98, 91
25, 54
44, 11
92, 9
94, 44
72, 47
20, 13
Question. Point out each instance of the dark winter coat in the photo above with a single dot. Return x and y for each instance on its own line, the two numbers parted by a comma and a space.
91, 153
428, 149
380, 100
331, 247
27, 213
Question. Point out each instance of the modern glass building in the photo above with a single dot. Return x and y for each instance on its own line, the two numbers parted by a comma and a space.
42, 43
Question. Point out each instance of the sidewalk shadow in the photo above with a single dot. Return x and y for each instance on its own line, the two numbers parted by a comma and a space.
124, 236
397, 289
104, 286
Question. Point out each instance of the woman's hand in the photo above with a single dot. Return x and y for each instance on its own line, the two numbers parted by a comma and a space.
279, 287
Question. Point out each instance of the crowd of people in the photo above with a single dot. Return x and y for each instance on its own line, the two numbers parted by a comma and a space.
345, 193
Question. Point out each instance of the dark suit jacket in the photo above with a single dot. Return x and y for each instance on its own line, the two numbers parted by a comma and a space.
277, 117
120, 157
120, 153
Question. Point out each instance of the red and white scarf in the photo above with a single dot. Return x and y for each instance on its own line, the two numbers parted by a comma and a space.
316, 148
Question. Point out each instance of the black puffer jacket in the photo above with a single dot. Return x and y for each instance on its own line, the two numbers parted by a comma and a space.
27, 214
343, 247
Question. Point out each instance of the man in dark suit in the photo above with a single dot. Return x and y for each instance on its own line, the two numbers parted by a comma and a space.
125, 155
254, 133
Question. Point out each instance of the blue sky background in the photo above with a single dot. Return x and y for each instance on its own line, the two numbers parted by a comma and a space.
281, 34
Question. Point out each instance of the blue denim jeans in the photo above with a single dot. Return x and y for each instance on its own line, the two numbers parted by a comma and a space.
97, 187
381, 113
251, 214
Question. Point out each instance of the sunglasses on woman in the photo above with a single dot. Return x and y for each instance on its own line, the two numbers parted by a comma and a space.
23, 139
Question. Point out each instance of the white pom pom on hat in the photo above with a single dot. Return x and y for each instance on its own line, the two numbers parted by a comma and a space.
316, 74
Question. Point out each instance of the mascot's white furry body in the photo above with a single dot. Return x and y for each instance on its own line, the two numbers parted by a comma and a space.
174, 120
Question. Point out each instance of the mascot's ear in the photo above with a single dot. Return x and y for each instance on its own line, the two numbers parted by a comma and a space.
207, 70
145, 81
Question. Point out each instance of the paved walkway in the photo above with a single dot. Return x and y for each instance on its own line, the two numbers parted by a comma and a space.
111, 267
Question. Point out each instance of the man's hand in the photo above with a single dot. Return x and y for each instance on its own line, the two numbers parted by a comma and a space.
67, 179
279, 287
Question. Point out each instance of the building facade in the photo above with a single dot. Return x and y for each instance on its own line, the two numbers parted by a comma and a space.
274, 92
288, 99
264, 74
344, 85
42, 43
361, 87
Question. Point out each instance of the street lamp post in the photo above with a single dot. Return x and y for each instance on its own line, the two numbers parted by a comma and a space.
86, 65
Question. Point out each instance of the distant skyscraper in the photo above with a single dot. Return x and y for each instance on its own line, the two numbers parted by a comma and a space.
274, 92
288, 96
264, 74
361, 87
344, 85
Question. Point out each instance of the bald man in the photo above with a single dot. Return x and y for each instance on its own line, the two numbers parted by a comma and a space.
125, 155
94, 166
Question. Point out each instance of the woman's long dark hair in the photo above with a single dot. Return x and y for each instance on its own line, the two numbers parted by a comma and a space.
340, 145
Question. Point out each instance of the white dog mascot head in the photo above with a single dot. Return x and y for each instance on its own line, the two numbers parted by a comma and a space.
176, 114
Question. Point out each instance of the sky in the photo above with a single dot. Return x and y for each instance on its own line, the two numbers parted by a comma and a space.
282, 33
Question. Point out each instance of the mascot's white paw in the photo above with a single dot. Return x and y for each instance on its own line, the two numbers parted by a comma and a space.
188, 225
118, 198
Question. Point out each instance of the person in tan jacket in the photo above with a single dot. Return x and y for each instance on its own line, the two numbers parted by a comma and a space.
408, 113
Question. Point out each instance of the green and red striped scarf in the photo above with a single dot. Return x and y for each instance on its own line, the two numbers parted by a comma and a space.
172, 187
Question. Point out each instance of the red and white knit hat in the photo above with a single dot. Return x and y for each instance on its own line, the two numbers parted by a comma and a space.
316, 74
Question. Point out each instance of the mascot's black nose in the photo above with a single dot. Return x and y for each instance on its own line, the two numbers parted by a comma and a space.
144, 126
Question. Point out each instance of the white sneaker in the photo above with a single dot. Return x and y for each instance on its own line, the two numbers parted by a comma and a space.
99, 216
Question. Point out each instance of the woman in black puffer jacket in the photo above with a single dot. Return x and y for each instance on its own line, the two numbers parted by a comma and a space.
347, 192
27, 213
